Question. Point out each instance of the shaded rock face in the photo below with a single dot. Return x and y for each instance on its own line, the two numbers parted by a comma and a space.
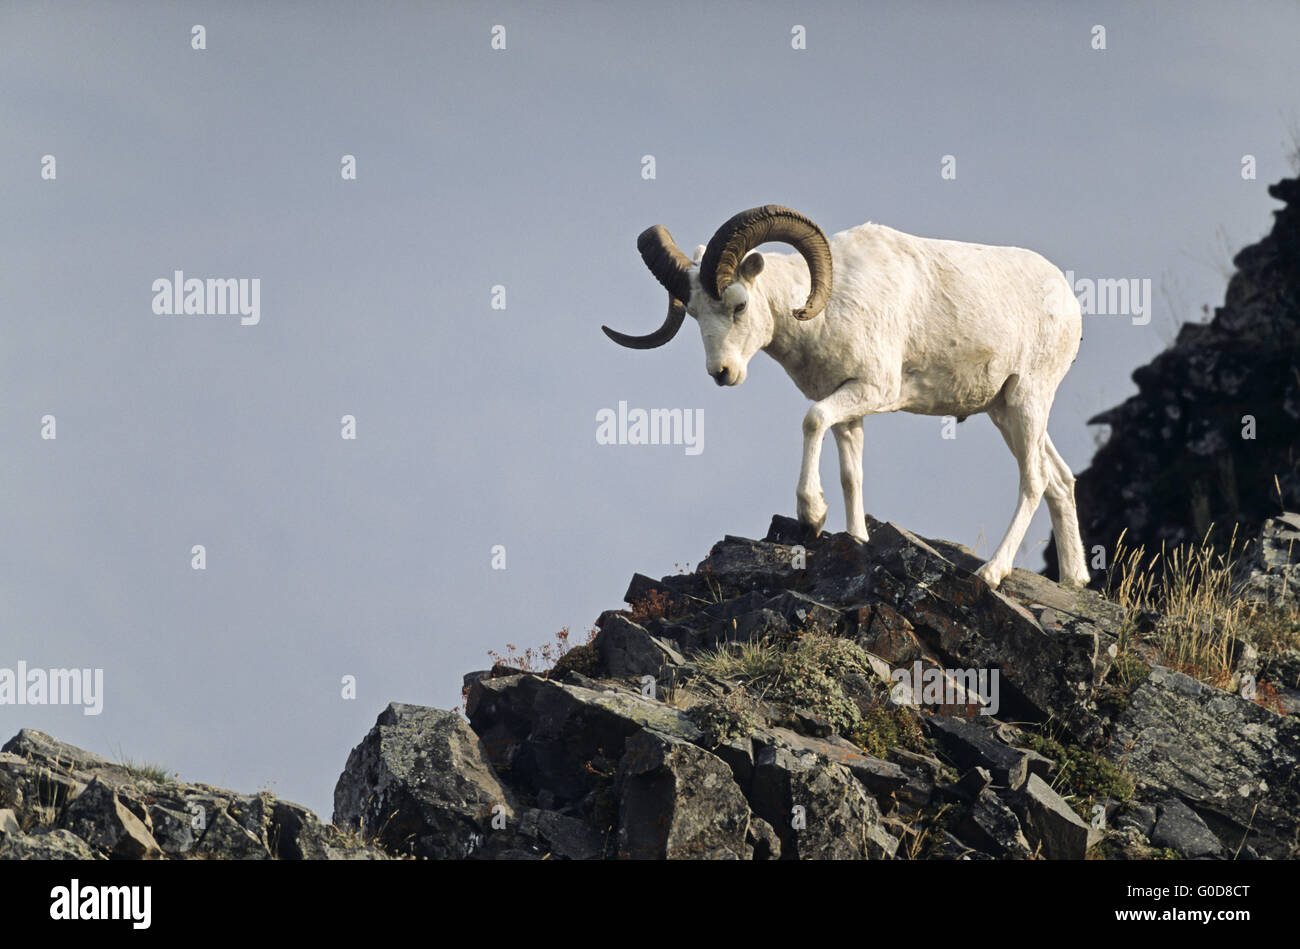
420, 785
58, 801
677, 801
1176, 459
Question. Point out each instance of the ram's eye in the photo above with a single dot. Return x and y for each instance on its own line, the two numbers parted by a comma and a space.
740, 308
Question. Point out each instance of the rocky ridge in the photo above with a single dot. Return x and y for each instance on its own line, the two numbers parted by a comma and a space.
794, 697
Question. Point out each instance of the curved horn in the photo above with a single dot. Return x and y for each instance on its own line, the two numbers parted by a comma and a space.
672, 323
666, 261
672, 269
771, 222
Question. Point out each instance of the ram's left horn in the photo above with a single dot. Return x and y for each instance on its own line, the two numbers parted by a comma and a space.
673, 322
671, 268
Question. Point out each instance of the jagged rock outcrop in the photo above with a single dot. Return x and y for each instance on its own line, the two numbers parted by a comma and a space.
58, 801
655, 749
1216, 418
795, 697
420, 785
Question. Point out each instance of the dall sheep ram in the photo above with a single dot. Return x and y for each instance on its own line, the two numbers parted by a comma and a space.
911, 324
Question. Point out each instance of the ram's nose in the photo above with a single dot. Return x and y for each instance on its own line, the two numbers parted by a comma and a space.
722, 377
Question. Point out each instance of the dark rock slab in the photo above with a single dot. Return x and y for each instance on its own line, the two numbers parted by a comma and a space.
1234, 762
1050, 825
678, 802
1180, 828
419, 783
815, 805
972, 746
627, 649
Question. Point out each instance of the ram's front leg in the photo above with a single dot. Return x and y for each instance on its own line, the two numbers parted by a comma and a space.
849, 402
848, 444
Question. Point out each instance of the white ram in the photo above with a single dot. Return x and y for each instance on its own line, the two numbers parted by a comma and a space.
909, 324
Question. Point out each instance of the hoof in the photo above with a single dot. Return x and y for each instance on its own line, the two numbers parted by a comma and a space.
991, 575
813, 518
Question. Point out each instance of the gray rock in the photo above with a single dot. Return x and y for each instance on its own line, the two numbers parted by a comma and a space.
974, 781
1173, 463
677, 801
172, 829
880, 778
1050, 824
1180, 828
1233, 760
1138, 817
816, 806
557, 835
541, 834
955, 614
39, 748
9, 822
46, 843
420, 784
124, 815
802, 612
749, 563
972, 746
914, 761
1271, 572
627, 649
226, 838
99, 818
761, 841
563, 738
32, 786
991, 826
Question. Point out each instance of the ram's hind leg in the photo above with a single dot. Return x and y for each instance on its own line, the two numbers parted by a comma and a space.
1070, 557
848, 443
1022, 420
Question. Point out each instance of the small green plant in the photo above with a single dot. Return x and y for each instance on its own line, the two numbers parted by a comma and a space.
1082, 776
726, 719
810, 677
808, 672
883, 726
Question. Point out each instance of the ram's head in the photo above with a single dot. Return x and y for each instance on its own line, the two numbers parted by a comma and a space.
717, 287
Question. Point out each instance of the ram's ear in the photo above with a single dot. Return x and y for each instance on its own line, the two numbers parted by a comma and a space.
751, 267
699, 253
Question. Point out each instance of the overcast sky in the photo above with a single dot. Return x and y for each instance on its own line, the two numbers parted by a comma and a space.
520, 168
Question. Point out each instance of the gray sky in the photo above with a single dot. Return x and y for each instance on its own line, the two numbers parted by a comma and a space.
476, 426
